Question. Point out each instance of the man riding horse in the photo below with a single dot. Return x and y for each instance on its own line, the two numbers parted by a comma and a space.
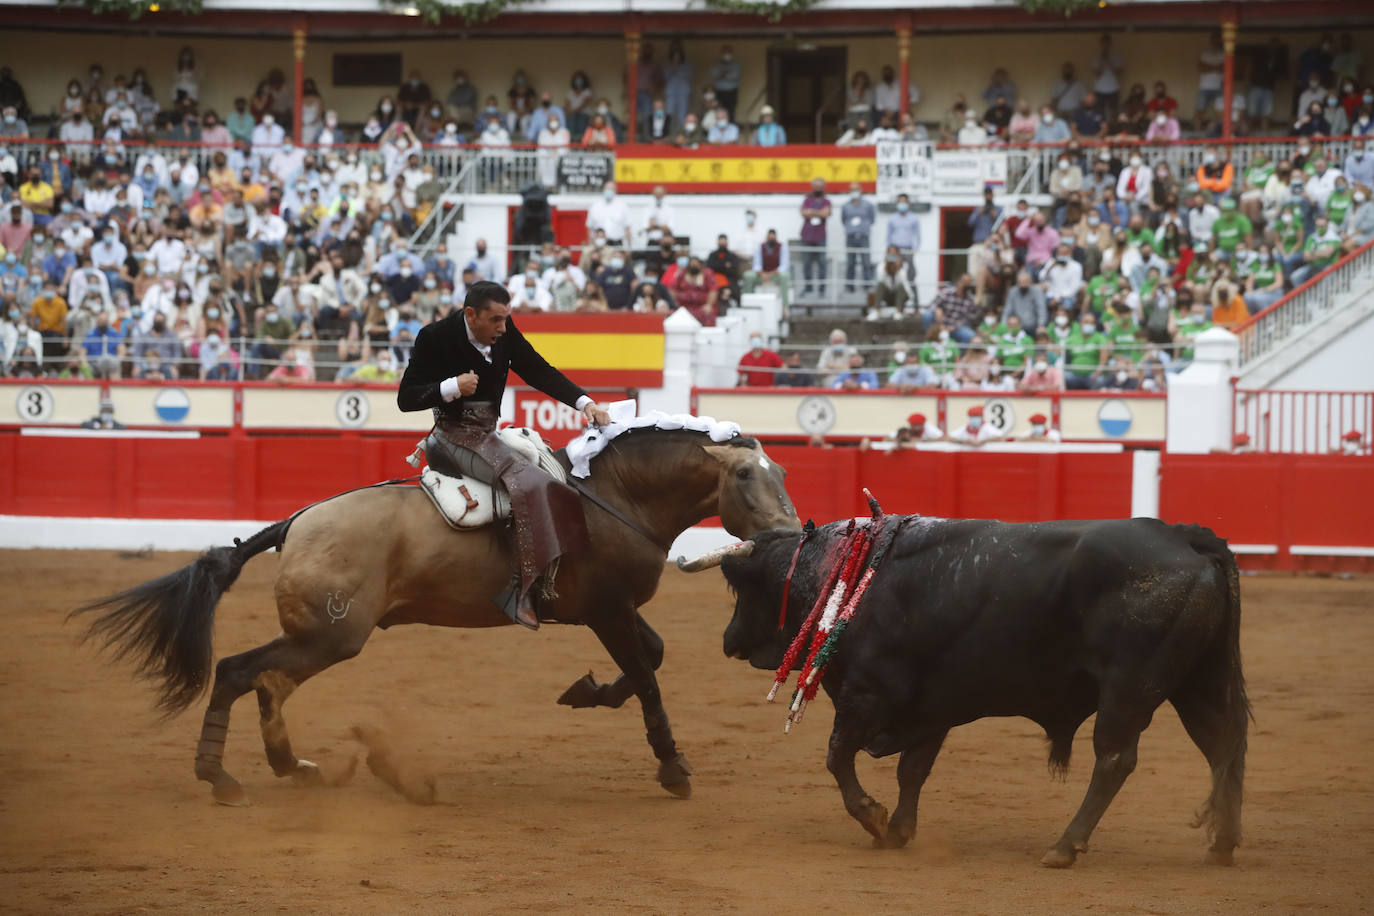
459, 368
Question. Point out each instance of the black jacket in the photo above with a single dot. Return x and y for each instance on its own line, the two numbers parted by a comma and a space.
442, 350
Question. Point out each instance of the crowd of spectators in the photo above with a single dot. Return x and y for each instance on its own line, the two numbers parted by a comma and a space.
1106, 288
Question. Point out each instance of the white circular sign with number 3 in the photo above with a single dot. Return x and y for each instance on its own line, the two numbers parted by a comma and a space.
34, 404
352, 408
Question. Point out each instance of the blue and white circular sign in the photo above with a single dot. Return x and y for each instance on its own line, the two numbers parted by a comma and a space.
172, 405
1114, 418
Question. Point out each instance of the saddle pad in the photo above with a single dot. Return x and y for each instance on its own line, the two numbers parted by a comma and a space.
447, 494
492, 504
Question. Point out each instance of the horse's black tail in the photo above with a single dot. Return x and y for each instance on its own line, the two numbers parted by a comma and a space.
167, 624
1221, 811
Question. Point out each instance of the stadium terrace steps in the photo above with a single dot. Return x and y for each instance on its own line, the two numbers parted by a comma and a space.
1350, 310
816, 331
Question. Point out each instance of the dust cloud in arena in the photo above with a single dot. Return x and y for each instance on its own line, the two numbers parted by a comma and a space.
536, 806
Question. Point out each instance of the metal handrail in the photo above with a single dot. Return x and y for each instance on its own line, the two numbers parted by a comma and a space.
1265, 331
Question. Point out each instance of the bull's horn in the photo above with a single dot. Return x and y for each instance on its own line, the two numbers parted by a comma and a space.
712, 558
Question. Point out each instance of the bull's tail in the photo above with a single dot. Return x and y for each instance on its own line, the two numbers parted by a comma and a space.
1215, 708
166, 625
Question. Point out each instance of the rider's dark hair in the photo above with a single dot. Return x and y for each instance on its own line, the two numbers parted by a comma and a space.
483, 294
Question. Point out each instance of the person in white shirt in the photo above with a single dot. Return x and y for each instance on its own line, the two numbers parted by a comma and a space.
1201, 216
1063, 278
268, 228
267, 138
609, 214
413, 175
77, 235
109, 253
1133, 184
15, 335
518, 281
530, 294
1039, 430
887, 95
1322, 182
86, 281
151, 158
352, 172
286, 162
659, 218
975, 431
858, 135
748, 239
99, 197
78, 133
972, 133
159, 299
563, 264
122, 111
168, 253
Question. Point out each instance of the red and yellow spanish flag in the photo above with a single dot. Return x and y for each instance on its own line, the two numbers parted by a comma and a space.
734, 169
600, 351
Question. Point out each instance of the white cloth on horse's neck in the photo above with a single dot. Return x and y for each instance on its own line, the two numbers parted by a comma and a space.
587, 446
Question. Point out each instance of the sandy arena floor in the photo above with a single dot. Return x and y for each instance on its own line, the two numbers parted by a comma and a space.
543, 807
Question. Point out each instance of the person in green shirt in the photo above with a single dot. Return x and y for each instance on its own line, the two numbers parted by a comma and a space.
1086, 350
1232, 227
1288, 238
939, 352
1014, 346
1318, 252
1104, 286
1137, 231
1202, 273
1189, 327
1121, 329
1338, 204
1264, 286
1259, 172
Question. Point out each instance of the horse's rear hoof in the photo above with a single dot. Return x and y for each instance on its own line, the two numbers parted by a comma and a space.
582, 694
674, 775
1220, 857
307, 774
1058, 858
230, 794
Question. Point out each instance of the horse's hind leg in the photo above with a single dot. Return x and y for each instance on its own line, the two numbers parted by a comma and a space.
234, 677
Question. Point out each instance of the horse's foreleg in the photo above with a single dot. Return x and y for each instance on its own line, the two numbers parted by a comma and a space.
585, 692
620, 635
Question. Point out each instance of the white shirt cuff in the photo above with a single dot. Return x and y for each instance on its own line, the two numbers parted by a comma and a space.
449, 388
583, 401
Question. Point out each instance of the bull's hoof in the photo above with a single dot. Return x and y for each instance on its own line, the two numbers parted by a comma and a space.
582, 694
1220, 857
228, 792
307, 774
1058, 857
873, 818
674, 775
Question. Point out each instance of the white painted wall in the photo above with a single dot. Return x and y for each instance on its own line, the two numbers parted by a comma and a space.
1342, 365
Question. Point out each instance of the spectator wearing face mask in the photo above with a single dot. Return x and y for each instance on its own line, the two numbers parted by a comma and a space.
381, 369
1359, 222
1063, 279
611, 216
857, 216
855, 377
758, 367
617, 280
1039, 238
1163, 128
972, 133
895, 292
545, 113
1319, 252
267, 137
771, 267
769, 132
904, 228
1133, 184
1066, 179
1086, 352
723, 131
974, 431
1216, 172
1026, 303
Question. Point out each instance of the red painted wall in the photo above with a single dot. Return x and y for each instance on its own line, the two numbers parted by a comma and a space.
1311, 500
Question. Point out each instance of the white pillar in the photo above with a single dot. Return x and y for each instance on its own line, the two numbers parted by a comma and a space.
679, 340
1200, 402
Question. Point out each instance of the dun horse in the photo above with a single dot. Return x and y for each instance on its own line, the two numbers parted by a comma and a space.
383, 556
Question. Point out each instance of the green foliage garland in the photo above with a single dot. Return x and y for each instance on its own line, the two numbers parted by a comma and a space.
472, 13
770, 11
1067, 7
135, 9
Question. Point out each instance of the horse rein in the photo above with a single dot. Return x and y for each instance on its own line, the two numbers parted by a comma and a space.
618, 515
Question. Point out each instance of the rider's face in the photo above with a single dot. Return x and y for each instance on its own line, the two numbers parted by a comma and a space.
488, 324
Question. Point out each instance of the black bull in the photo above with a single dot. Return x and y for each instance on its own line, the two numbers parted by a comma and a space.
1053, 622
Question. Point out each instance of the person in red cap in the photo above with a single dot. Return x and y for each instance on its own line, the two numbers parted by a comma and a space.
917, 430
1039, 430
975, 431
1352, 443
